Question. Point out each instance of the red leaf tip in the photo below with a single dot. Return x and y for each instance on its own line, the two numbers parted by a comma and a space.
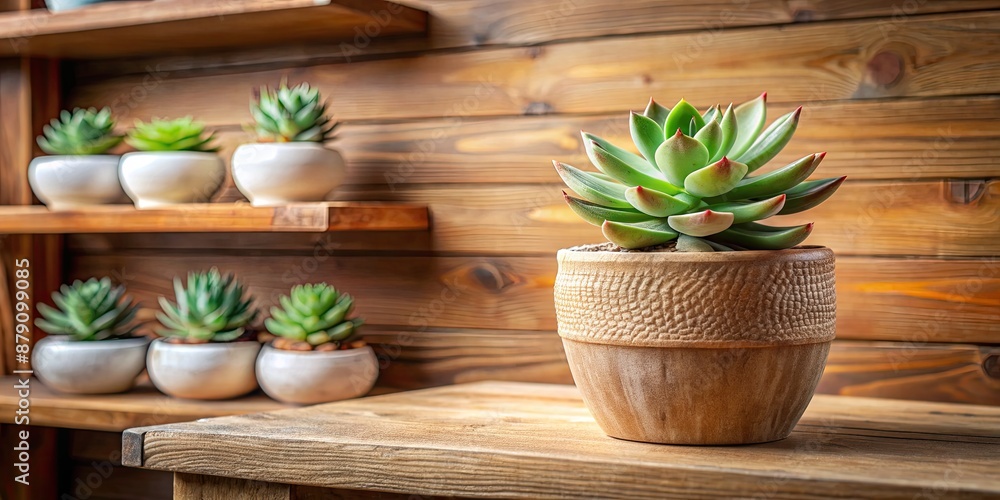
764, 96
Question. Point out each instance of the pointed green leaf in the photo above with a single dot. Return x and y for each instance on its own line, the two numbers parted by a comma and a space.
775, 182
678, 156
715, 179
752, 211
656, 203
639, 235
711, 137
750, 118
755, 239
592, 188
687, 243
703, 223
633, 160
656, 112
597, 214
681, 117
621, 171
729, 130
771, 141
646, 135
817, 193
712, 114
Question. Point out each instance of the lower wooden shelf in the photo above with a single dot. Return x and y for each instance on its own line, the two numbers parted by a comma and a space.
142, 406
517, 440
217, 217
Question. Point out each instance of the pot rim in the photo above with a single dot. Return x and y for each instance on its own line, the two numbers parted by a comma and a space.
64, 341
297, 144
802, 252
78, 157
211, 345
199, 154
328, 354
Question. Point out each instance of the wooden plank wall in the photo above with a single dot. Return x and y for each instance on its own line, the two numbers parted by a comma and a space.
905, 96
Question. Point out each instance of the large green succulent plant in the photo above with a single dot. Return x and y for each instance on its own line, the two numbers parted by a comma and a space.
212, 307
295, 114
182, 134
692, 183
89, 310
314, 313
80, 132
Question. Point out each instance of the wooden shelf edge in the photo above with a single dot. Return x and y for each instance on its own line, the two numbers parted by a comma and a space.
217, 217
146, 27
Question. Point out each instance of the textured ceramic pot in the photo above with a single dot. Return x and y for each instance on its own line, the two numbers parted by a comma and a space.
221, 370
90, 367
271, 174
68, 182
162, 178
696, 348
312, 377
64, 5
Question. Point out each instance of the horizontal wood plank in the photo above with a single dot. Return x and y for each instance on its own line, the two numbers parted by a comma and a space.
178, 26
910, 300
479, 23
940, 55
900, 139
532, 440
143, 405
215, 218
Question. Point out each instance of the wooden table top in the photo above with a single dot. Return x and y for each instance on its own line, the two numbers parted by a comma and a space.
143, 405
534, 440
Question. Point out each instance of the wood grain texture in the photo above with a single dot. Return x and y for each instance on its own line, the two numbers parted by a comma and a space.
918, 300
901, 370
941, 56
216, 218
198, 487
479, 23
114, 412
141, 27
527, 440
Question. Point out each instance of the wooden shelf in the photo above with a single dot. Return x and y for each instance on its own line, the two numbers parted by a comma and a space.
216, 218
132, 28
115, 412
516, 440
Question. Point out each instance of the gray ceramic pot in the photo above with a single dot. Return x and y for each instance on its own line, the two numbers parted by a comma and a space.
92, 367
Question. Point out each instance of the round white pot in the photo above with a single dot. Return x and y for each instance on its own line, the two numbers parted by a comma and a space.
67, 182
271, 174
162, 178
89, 367
203, 371
310, 377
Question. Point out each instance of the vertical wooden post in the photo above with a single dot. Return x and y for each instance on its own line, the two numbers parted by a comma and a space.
29, 95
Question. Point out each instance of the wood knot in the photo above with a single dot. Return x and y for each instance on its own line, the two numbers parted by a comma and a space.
491, 277
885, 68
538, 108
991, 365
803, 16
535, 52
966, 191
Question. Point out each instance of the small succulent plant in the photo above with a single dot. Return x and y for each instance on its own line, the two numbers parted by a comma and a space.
80, 132
692, 184
181, 134
211, 308
89, 310
314, 313
291, 114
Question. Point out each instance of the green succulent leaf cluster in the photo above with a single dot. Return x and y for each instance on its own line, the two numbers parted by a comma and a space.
90, 310
181, 134
314, 313
692, 183
212, 307
295, 114
80, 132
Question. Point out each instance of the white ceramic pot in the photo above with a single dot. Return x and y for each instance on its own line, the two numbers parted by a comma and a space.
310, 377
162, 178
89, 367
271, 174
220, 370
67, 182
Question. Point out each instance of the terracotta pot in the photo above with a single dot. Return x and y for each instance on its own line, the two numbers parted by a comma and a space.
696, 348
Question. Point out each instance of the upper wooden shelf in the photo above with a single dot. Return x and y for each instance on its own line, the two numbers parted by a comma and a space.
216, 218
144, 405
145, 27
514, 440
